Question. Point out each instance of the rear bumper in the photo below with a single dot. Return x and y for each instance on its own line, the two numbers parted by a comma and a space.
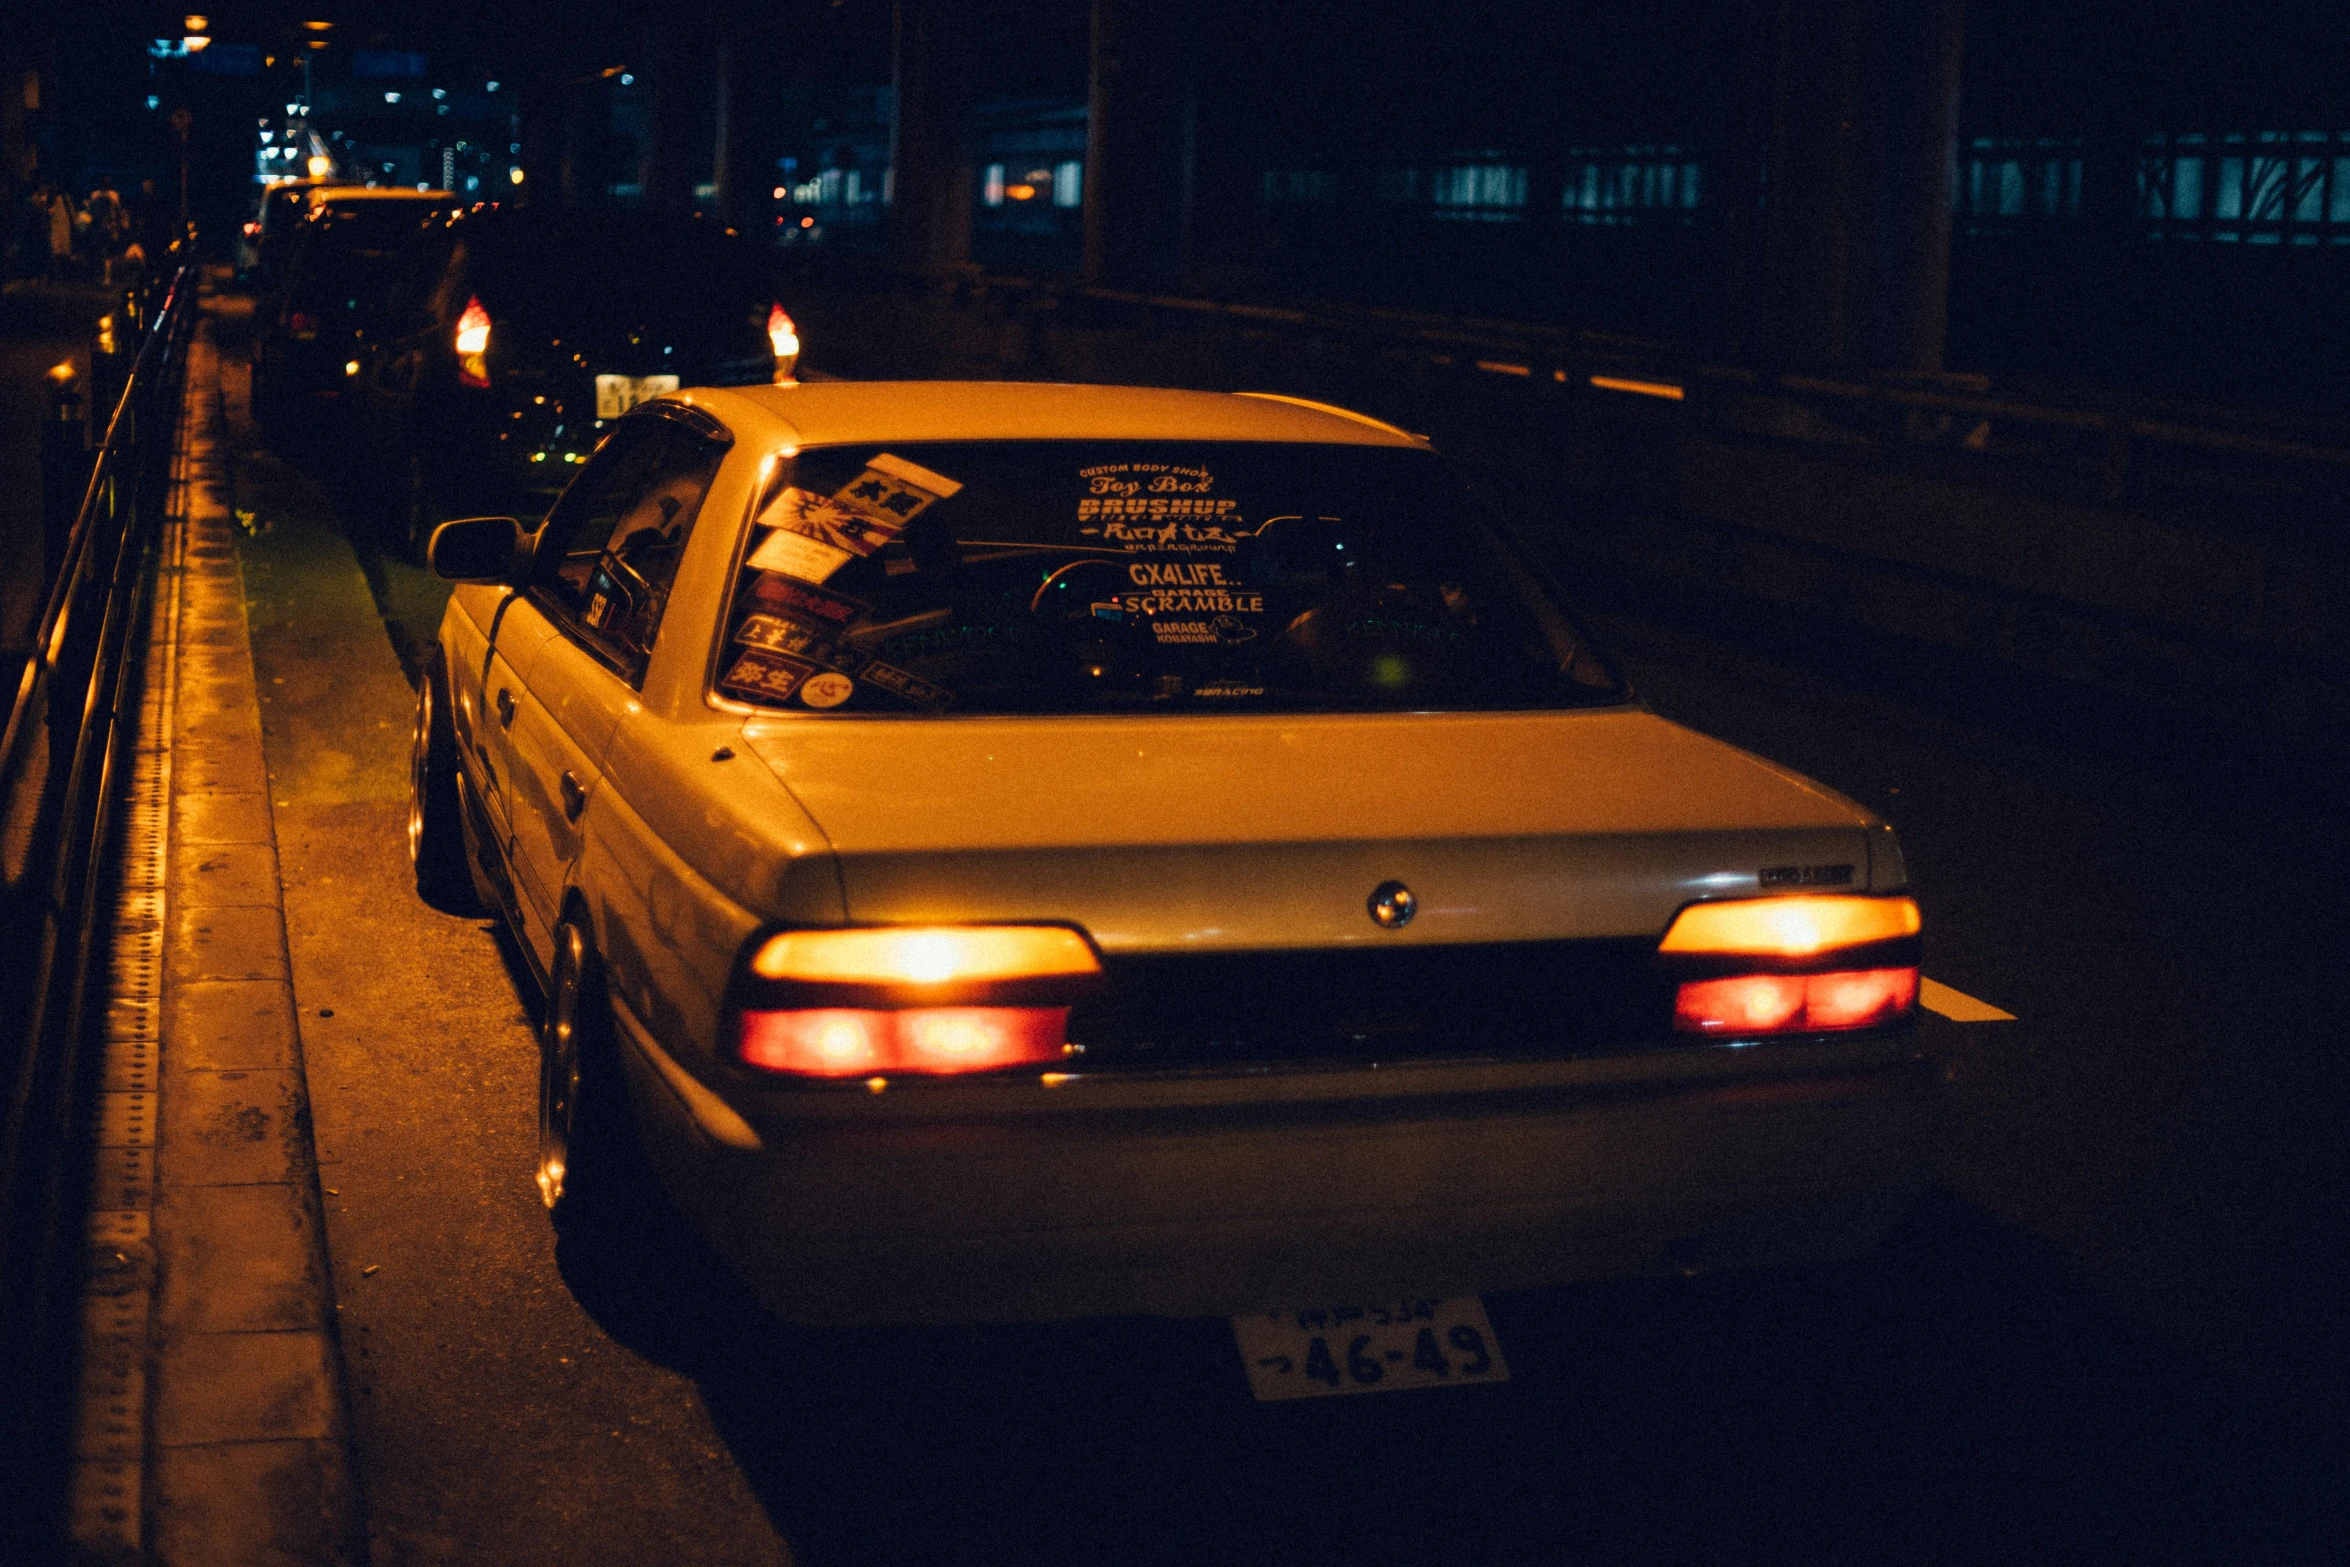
1183, 1199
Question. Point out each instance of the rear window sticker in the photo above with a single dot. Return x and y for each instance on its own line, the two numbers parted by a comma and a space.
804, 601
765, 676
1225, 689
1158, 506
783, 636
913, 688
1179, 574
828, 689
867, 512
1218, 630
1211, 601
797, 555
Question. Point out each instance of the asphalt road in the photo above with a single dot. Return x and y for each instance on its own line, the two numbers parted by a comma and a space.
2115, 1336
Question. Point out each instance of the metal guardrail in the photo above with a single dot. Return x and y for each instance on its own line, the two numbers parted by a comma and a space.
62, 761
2099, 442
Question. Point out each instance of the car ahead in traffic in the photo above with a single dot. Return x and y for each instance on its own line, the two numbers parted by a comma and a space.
529, 333
262, 243
1018, 852
314, 329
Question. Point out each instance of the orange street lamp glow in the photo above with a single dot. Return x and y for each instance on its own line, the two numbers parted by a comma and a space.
1664, 389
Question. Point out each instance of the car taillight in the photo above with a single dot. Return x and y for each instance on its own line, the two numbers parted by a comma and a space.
1795, 1003
932, 1000
1793, 965
864, 1041
784, 338
473, 344
302, 324
1791, 927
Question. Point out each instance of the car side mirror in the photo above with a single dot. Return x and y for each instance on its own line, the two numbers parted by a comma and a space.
478, 549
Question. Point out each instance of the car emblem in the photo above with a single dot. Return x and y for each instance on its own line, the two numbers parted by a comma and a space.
1393, 905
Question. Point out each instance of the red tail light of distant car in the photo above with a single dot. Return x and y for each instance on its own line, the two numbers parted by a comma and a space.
473, 344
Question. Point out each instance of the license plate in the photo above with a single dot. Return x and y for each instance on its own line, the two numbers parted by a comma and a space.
1320, 1351
617, 394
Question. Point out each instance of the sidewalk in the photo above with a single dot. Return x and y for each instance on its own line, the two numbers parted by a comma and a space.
213, 1423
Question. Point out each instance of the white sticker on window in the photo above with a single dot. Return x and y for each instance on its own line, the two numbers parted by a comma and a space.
867, 512
828, 689
797, 555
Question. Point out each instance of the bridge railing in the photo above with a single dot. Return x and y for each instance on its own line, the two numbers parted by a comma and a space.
2095, 444
64, 760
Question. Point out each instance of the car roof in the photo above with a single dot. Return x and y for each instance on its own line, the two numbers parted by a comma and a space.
331, 193
826, 413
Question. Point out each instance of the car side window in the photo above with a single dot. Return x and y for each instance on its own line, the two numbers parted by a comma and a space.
617, 534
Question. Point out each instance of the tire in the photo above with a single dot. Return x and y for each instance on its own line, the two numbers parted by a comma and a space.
436, 835
590, 1170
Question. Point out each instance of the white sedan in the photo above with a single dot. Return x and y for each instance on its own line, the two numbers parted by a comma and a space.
1003, 852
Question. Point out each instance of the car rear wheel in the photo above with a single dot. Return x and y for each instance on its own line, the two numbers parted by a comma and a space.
588, 1164
436, 837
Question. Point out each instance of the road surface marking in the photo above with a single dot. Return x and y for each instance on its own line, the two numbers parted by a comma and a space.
1957, 1005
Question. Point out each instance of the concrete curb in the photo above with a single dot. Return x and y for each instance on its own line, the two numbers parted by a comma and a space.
245, 1439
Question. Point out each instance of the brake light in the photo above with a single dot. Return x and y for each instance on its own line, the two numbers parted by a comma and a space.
1747, 1004
1803, 964
935, 1000
302, 324
473, 344
1793, 927
784, 338
473, 328
915, 955
932, 1041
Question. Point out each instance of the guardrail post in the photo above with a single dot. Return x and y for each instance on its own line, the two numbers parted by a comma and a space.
65, 468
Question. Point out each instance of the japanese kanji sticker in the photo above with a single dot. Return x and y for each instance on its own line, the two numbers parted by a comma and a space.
764, 676
912, 687
801, 601
797, 555
863, 514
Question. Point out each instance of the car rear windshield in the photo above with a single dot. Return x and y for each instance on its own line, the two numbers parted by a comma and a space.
568, 270
354, 255
1129, 577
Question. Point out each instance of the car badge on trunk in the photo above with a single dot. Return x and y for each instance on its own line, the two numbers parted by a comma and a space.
1393, 905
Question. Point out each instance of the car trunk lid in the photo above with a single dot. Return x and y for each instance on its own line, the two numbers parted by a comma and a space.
1249, 834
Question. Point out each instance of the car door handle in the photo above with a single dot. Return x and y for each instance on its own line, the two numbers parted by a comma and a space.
505, 708
574, 796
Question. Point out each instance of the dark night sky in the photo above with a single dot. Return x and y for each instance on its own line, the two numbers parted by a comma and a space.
1408, 73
